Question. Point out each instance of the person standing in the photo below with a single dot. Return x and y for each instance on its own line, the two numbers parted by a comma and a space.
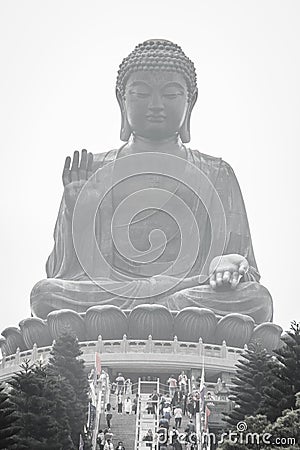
108, 445
120, 446
135, 403
182, 382
128, 406
177, 416
190, 407
120, 403
128, 387
172, 382
190, 428
154, 401
167, 411
101, 440
120, 381
108, 435
177, 397
148, 438
176, 445
108, 415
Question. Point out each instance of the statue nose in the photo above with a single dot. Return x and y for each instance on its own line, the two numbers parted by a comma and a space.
156, 103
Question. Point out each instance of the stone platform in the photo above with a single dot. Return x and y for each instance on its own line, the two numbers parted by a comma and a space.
188, 325
139, 356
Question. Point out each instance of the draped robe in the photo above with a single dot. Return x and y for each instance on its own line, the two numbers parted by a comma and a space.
69, 286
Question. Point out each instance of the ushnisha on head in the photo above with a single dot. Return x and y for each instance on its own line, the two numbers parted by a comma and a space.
156, 89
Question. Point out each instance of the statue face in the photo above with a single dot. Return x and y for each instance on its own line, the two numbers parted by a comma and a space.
156, 103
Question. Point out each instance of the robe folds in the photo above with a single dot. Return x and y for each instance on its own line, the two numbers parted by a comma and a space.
70, 286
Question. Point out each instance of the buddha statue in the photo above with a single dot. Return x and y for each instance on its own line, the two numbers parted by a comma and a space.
169, 222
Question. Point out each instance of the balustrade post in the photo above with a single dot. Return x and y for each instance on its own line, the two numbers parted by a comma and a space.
200, 347
124, 344
3, 360
224, 352
34, 354
17, 357
175, 345
149, 344
99, 346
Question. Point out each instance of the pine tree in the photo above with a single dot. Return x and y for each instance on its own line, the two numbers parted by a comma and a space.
285, 374
283, 433
8, 427
58, 389
39, 406
65, 364
287, 426
249, 384
276, 393
246, 440
35, 418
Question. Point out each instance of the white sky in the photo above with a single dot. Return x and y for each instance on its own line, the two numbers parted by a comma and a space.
59, 60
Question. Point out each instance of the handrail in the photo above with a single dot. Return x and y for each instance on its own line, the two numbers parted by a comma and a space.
141, 420
157, 412
102, 395
222, 351
138, 412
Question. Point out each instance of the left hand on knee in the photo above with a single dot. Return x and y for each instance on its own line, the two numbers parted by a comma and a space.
227, 270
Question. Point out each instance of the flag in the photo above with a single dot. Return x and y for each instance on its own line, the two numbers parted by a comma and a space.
202, 388
81, 443
98, 363
93, 393
91, 416
207, 414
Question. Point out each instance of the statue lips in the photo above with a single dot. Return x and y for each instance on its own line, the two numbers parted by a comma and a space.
155, 118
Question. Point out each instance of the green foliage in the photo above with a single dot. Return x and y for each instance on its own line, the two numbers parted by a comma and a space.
249, 384
8, 427
59, 391
266, 384
47, 405
263, 435
64, 363
34, 400
287, 426
284, 376
267, 396
256, 425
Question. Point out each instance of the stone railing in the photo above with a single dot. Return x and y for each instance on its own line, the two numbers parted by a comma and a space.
9, 364
159, 346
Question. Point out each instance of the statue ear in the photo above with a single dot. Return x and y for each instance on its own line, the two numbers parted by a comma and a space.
125, 127
185, 133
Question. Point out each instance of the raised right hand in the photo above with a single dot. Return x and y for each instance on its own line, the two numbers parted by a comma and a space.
75, 176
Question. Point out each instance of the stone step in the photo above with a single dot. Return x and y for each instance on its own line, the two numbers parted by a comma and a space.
123, 429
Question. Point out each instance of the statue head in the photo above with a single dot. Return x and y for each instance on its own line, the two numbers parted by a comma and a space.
156, 90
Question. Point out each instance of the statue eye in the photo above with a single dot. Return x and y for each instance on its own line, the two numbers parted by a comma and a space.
139, 94
142, 94
170, 96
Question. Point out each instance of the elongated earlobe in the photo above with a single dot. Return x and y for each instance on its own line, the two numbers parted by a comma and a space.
126, 131
185, 132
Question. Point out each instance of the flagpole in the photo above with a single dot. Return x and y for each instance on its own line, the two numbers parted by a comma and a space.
98, 412
201, 404
99, 400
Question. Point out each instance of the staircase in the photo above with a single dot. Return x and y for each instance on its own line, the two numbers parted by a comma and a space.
144, 420
131, 428
123, 428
